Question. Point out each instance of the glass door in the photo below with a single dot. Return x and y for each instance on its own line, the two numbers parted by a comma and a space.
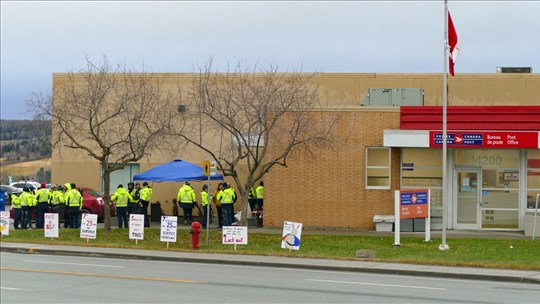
467, 183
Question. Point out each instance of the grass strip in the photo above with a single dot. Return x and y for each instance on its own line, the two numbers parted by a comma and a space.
488, 253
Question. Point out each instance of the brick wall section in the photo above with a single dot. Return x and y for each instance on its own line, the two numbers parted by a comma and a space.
327, 190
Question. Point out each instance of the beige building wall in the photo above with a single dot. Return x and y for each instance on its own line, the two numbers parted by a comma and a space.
464, 89
327, 190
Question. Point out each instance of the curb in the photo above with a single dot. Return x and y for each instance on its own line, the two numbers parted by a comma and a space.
359, 269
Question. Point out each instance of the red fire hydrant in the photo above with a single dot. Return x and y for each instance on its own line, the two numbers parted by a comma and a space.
195, 232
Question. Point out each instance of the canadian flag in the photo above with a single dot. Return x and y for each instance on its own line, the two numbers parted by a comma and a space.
453, 43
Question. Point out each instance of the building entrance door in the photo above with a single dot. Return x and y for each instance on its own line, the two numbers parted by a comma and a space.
467, 199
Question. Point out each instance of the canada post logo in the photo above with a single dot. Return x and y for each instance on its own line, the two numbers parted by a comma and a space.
459, 139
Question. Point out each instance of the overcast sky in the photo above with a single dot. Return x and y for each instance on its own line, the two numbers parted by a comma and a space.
39, 38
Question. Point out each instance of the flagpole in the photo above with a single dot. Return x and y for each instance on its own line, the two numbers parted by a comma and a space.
443, 246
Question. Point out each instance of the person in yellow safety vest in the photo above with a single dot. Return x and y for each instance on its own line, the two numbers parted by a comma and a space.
57, 198
74, 202
66, 189
27, 201
186, 199
121, 199
227, 198
218, 204
134, 191
146, 196
205, 206
16, 206
42, 197
260, 193
252, 199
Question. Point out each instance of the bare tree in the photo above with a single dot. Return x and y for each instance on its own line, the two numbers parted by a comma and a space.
112, 113
260, 116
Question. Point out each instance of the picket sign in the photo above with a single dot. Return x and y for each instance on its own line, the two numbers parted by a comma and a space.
292, 233
235, 235
89, 226
136, 227
169, 225
4, 223
51, 225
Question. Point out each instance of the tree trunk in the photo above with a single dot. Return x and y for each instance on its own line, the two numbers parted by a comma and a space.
106, 195
245, 210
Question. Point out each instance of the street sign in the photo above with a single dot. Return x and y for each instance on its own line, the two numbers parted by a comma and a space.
213, 170
409, 204
206, 168
414, 203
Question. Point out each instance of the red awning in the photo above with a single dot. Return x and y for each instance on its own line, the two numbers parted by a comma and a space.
471, 118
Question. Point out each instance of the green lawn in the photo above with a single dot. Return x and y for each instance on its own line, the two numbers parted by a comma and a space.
524, 254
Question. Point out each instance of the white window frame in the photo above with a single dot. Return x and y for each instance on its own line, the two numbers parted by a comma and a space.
389, 168
251, 138
122, 176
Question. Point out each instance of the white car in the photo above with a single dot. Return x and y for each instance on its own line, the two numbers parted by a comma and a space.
30, 184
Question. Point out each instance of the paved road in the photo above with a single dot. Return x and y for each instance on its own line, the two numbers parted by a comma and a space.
69, 279
276, 261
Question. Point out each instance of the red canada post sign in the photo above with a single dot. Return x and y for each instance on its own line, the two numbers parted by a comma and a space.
414, 203
485, 139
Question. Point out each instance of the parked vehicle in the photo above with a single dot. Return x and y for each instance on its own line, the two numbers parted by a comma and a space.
30, 184
8, 191
92, 203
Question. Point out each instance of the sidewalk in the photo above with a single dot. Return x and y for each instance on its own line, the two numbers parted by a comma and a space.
286, 262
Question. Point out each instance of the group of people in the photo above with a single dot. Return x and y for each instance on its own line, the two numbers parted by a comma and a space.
133, 200
68, 200
223, 199
44, 200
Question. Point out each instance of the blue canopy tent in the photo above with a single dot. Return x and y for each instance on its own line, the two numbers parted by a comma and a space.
175, 171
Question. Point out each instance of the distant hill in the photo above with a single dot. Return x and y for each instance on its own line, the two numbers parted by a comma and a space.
24, 140
37, 170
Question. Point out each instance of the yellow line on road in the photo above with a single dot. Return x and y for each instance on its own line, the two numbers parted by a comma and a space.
103, 275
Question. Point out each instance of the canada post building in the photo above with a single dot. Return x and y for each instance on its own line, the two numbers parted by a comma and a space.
493, 161
393, 140
388, 136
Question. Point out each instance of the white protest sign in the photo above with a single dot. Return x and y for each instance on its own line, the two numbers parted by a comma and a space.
51, 225
169, 225
4, 222
89, 226
235, 235
292, 233
136, 226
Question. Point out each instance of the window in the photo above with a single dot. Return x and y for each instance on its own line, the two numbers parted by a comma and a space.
123, 176
251, 140
422, 168
377, 168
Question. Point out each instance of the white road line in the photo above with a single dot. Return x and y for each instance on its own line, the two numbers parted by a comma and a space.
10, 288
375, 284
76, 264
